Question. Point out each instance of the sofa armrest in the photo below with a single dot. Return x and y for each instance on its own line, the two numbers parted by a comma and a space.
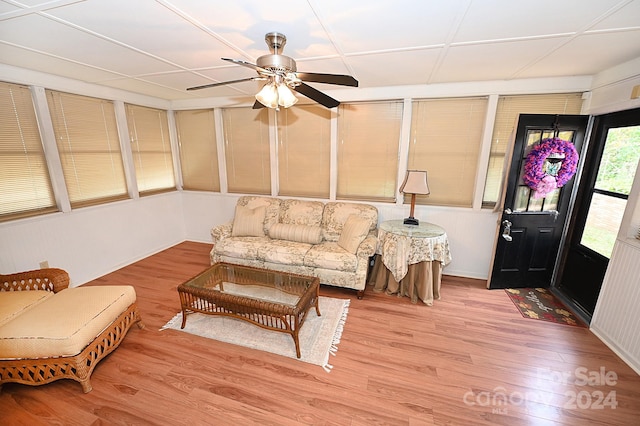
49, 279
367, 247
220, 232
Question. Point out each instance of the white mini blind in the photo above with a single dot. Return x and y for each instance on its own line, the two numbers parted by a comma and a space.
446, 135
304, 143
509, 107
247, 150
89, 148
368, 140
198, 150
151, 148
25, 186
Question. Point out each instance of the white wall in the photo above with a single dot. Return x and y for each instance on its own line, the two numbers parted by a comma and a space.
93, 241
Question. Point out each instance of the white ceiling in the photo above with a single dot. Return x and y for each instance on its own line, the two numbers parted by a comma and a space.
159, 48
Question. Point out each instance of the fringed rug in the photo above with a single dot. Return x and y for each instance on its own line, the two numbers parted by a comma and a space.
541, 304
319, 335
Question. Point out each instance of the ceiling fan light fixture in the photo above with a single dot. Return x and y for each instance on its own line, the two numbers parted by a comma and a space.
286, 98
268, 96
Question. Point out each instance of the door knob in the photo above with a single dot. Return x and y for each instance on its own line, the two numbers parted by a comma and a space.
506, 232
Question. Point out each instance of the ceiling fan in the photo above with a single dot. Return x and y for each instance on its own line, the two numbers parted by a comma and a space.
282, 76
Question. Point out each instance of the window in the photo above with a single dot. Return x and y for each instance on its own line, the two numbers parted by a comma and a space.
446, 135
198, 150
151, 147
304, 141
509, 107
611, 190
247, 150
89, 147
25, 188
368, 139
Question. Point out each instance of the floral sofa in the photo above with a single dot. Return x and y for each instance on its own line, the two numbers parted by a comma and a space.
333, 241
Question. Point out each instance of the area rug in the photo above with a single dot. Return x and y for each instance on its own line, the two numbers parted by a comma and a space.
319, 335
541, 304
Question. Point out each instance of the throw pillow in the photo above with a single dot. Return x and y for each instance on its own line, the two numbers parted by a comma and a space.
299, 233
248, 222
354, 231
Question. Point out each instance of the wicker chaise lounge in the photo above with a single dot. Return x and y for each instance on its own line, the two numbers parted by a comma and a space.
49, 331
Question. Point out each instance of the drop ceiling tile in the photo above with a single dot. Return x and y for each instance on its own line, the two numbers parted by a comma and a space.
502, 19
39, 62
397, 68
492, 61
382, 25
588, 54
146, 26
244, 23
627, 17
182, 80
145, 88
75, 45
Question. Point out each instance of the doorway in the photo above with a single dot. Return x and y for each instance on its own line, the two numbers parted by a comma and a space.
610, 165
531, 224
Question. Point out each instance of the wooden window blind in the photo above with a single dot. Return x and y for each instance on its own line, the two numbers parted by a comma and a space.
509, 107
368, 140
198, 150
304, 144
151, 148
247, 150
89, 147
25, 186
446, 135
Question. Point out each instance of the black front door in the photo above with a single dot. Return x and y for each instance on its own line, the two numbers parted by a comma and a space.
531, 223
609, 170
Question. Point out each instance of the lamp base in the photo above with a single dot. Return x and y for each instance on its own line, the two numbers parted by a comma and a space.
411, 221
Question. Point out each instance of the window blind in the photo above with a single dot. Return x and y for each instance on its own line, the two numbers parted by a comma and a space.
151, 148
89, 147
368, 139
446, 135
509, 107
25, 187
198, 150
304, 142
247, 150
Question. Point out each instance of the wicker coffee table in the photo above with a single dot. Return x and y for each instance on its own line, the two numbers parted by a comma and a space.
273, 300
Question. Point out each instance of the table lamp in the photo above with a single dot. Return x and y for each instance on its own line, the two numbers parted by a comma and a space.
415, 182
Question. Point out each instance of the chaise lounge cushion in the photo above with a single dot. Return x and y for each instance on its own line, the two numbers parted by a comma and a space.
14, 303
66, 322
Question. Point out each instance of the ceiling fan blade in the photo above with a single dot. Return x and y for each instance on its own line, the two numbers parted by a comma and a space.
249, 65
223, 83
316, 95
342, 80
257, 105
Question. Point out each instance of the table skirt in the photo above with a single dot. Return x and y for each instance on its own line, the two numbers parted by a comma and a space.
422, 281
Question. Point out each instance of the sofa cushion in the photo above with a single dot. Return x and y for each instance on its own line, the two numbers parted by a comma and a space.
300, 212
336, 214
13, 303
271, 204
329, 255
248, 222
298, 233
64, 324
241, 247
284, 252
355, 230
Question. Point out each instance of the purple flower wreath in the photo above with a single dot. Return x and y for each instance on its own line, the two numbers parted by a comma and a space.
535, 176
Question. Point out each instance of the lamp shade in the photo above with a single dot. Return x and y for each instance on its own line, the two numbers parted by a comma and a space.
268, 96
415, 182
286, 98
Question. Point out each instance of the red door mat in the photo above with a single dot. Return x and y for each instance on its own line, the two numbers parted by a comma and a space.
541, 304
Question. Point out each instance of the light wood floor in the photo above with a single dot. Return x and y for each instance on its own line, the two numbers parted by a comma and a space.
471, 359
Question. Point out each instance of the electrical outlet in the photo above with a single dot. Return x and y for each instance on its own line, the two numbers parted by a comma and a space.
44, 264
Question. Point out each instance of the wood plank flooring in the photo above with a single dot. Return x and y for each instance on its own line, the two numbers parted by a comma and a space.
470, 359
